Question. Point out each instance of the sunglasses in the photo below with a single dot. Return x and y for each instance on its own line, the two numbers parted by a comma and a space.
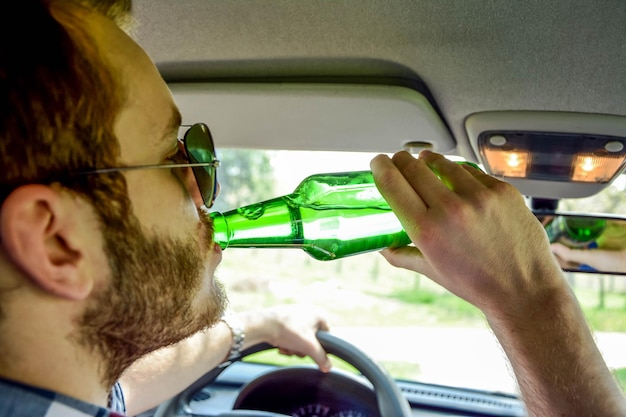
199, 150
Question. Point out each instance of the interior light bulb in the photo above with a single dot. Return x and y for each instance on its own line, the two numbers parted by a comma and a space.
513, 160
587, 164
507, 163
593, 168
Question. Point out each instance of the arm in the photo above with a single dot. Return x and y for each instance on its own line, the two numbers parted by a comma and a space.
483, 224
600, 259
164, 373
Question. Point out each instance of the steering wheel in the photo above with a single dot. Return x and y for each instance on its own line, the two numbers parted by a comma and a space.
391, 401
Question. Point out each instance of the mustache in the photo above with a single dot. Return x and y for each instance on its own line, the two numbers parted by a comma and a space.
206, 224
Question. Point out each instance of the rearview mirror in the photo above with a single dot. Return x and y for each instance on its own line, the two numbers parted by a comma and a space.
587, 243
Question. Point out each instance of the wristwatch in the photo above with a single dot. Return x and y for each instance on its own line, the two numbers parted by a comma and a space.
236, 329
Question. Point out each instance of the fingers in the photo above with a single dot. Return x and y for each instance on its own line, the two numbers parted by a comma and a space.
561, 251
463, 179
430, 180
413, 187
322, 325
485, 179
315, 349
320, 357
423, 177
311, 348
568, 257
393, 184
296, 335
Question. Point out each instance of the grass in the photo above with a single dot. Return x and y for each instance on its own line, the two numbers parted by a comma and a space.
447, 308
273, 357
364, 291
398, 369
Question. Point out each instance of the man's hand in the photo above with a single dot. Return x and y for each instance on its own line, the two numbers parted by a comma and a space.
473, 233
291, 328
599, 259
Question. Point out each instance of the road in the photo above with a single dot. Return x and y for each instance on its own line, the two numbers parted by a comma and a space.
467, 357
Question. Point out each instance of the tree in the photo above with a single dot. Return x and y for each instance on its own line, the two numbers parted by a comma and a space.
611, 200
245, 176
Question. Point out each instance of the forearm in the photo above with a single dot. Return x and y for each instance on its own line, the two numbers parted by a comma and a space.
167, 371
601, 259
499, 260
559, 369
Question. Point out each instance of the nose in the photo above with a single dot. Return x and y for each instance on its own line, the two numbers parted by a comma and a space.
194, 189
218, 188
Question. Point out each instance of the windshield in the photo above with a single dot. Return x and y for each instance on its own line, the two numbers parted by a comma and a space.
415, 328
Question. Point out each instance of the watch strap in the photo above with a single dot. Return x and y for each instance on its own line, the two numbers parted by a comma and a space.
239, 336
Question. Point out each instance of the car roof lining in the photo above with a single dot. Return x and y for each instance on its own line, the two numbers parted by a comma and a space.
468, 57
443, 42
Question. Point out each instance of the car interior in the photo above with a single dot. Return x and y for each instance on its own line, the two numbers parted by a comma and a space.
532, 92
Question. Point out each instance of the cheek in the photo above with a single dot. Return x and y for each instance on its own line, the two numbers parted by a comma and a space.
91, 233
192, 186
161, 201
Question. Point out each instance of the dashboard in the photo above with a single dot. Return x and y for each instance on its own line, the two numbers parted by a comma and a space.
307, 392
303, 391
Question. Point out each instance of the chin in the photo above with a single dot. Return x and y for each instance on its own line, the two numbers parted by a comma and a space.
212, 299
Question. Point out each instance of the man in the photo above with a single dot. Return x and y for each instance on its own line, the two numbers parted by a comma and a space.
106, 255
468, 237
94, 278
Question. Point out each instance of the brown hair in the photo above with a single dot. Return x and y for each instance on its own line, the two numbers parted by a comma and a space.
59, 99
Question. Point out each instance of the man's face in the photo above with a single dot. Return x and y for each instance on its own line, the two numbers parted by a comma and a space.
162, 258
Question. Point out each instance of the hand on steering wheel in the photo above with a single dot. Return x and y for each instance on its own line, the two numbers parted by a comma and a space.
391, 401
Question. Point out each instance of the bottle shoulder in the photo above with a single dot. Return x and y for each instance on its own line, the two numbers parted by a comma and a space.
338, 189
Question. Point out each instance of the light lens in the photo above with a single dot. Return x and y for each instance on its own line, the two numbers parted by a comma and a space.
552, 156
503, 163
593, 168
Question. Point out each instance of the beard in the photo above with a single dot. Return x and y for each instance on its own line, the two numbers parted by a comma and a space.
151, 300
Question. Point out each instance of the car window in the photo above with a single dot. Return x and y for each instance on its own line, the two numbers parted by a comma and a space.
415, 328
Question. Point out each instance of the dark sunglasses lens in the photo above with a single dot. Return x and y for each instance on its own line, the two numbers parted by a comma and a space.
200, 149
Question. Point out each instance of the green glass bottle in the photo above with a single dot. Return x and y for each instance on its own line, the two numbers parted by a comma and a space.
575, 232
329, 216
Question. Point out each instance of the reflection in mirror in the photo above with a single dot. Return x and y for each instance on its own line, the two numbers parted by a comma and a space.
585, 243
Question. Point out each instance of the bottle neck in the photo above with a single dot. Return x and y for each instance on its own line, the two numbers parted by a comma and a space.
221, 231
271, 223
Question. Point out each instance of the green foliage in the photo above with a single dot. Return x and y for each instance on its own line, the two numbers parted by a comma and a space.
620, 374
612, 200
272, 357
606, 320
245, 177
447, 308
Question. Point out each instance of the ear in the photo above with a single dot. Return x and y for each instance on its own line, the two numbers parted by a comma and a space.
37, 227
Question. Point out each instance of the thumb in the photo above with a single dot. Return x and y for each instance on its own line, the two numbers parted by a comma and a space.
407, 257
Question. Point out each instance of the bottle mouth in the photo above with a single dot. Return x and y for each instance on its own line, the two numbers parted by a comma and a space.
221, 231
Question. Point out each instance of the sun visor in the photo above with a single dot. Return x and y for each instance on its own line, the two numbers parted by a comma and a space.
299, 116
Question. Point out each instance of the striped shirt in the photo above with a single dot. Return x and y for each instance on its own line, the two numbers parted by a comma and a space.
20, 400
